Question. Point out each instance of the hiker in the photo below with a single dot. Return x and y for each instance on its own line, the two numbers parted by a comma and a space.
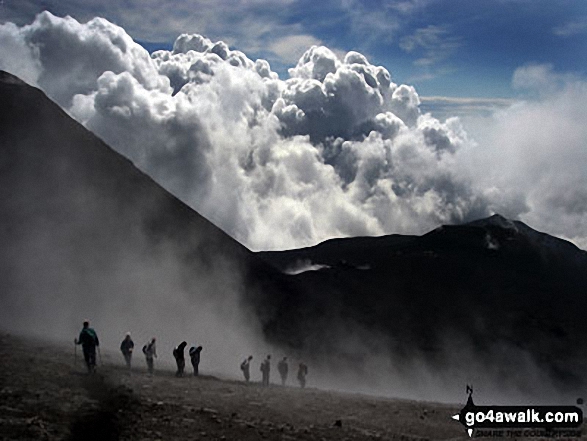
126, 347
89, 341
265, 369
282, 368
245, 367
150, 352
195, 358
302, 372
180, 358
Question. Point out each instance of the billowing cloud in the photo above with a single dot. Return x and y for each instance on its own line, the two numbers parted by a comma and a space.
68, 57
17, 56
336, 149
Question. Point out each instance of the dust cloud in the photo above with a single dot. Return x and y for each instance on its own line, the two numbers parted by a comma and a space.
158, 295
85, 236
501, 374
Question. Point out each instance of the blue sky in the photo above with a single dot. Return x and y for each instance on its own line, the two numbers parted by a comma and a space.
456, 48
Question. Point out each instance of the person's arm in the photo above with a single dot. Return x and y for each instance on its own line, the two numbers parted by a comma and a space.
97, 341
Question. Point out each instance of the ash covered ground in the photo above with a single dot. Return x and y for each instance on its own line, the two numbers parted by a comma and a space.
43, 395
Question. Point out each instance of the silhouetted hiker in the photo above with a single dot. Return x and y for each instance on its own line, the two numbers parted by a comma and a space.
195, 358
470, 398
180, 358
302, 372
282, 368
126, 347
246, 368
150, 352
89, 341
265, 369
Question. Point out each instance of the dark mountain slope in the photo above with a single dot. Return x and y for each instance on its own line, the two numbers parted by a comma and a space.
490, 284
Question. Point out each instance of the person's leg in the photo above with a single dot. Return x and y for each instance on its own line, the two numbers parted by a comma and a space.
86, 352
92, 359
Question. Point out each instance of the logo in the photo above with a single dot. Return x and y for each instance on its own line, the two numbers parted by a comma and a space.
518, 421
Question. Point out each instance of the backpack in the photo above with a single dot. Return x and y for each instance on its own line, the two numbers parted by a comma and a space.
145, 349
243, 365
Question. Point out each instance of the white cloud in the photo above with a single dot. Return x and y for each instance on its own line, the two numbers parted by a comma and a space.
381, 23
292, 47
541, 79
574, 27
537, 148
72, 55
434, 42
337, 149
17, 56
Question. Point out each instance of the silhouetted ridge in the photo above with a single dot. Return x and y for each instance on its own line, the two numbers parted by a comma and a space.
493, 282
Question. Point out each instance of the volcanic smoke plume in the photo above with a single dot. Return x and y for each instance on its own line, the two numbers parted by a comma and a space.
336, 149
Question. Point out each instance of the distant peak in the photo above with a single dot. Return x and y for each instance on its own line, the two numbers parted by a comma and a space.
495, 220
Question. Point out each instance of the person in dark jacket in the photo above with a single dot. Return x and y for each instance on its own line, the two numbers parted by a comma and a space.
179, 356
282, 368
150, 351
195, 358
265, 370
89, 341
126, 347
302, 372
246, 368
